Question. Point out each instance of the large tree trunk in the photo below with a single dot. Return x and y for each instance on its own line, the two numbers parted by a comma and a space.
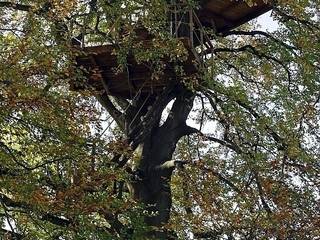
156, 165
141, 123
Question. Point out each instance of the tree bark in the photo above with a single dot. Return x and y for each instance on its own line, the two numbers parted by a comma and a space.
141, 124
155, 166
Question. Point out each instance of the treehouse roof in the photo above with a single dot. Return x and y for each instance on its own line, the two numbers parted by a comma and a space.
224, 15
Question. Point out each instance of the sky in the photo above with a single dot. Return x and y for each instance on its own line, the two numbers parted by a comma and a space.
267, 23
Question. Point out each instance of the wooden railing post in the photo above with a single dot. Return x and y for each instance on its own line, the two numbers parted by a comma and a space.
191, 30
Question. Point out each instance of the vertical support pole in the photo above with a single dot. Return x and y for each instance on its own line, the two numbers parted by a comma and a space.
201, 45
175, 21
83, 30
191, 24
172, 17
171, 20
70, 33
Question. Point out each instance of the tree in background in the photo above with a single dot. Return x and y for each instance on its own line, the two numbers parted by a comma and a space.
85, 165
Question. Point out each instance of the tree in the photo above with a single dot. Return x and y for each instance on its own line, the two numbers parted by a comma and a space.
86, 165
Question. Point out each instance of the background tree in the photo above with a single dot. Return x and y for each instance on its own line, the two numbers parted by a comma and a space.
69, 158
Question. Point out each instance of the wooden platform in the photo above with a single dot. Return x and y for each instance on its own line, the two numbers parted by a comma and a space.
224, 15
100, 63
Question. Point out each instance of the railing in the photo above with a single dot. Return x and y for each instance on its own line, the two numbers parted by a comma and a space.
184, 23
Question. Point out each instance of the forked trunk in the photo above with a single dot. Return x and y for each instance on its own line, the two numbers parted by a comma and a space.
152, 186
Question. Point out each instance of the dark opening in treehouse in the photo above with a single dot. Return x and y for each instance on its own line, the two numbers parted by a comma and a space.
219, 15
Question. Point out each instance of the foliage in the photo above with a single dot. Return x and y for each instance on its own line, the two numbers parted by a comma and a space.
252, 167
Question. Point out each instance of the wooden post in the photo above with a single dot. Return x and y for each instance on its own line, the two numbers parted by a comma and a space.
201, 46
175, 21
191, 24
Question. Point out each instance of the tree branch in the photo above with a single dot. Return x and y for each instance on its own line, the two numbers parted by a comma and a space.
27, 8
247, 107
228, 144
254, 51
56, 220
222, 179
45, 216
152, 117
187, 130
261, 194
180, 109
10, 235
123, 103
15, 6
265, 34
208, 235
112, 110
306, 23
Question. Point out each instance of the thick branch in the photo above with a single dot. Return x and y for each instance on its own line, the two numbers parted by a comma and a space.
10, 235
123, 103
26, 8
152, 117
190, 130
8, 171
56, 220
46, 216
112, 110
187, 130
261, 194
265, 34
208, 234
16, 6
180, 109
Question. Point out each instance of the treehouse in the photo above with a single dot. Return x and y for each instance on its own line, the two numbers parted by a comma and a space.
188, 26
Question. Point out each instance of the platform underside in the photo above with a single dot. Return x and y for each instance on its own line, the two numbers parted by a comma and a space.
225, 15
100, 64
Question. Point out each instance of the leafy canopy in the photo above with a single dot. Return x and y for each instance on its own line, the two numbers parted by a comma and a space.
253, 168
